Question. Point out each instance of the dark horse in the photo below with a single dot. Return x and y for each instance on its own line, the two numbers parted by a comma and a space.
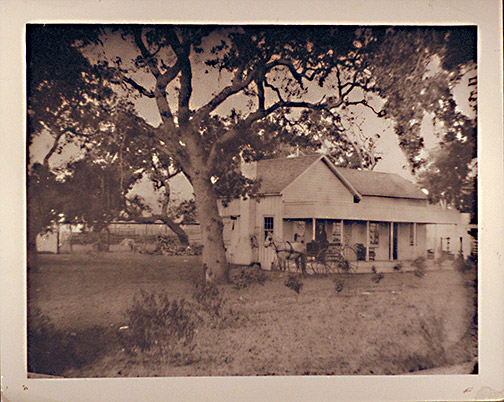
286, 251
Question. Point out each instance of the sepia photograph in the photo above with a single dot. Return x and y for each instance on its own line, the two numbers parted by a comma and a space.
231, 208
222, 200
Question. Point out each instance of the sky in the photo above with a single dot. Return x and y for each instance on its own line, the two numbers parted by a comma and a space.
207, 81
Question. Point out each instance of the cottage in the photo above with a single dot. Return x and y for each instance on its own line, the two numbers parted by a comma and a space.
309, 199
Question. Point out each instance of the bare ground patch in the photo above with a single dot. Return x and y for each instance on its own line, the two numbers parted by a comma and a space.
401, 324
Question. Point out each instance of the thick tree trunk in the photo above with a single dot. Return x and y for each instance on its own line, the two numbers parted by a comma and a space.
214, 256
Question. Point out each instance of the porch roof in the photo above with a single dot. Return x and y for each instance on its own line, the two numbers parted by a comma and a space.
378, 184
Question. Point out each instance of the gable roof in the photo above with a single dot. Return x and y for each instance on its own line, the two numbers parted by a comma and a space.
277, 174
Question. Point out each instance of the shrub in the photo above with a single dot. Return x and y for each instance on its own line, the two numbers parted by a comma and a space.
294, 283
161, 328
209, 298
463, 265
441, 260
420, 266
169, 245
338, 284
211, 302
246, 276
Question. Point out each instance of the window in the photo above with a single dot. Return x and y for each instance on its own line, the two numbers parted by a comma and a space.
336, 235
268, 226
446, 246
373, 234
233, 220
299, 229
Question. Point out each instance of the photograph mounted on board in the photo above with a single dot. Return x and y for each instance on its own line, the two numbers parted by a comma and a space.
227, 200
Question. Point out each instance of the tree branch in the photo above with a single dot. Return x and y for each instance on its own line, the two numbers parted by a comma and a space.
231, 135
286, 63
60, 134
237, 84
364, 102
144, 91
162, 80
185, 83
274, 89
53, 149
147, 56
260, 94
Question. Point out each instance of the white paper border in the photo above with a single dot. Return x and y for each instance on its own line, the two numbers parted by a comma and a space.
489, 384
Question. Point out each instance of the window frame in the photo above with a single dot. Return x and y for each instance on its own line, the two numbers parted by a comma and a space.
268, 226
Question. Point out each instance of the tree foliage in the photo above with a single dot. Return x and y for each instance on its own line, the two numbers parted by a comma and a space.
68, 97
73, 101
415, 72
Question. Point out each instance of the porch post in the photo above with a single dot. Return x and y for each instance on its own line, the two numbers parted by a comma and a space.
391, 241
367, 240
415, 238
313, 229
341, 231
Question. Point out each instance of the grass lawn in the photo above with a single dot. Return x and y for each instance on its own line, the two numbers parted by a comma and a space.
78, 307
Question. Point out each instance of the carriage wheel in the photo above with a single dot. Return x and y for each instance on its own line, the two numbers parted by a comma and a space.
349, 257
333, 261
340, 259
314, 264
326, 261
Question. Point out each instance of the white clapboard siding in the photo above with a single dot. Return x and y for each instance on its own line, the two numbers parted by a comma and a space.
317, 184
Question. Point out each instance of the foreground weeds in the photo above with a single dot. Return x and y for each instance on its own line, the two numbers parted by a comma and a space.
212, 306
159, 328
245, 277
53, 351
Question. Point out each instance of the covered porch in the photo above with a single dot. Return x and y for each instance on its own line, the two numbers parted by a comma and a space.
372, 240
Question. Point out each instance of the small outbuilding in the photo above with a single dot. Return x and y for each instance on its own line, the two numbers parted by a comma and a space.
308, 198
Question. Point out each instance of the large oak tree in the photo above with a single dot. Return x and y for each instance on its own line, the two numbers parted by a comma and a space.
277, 68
